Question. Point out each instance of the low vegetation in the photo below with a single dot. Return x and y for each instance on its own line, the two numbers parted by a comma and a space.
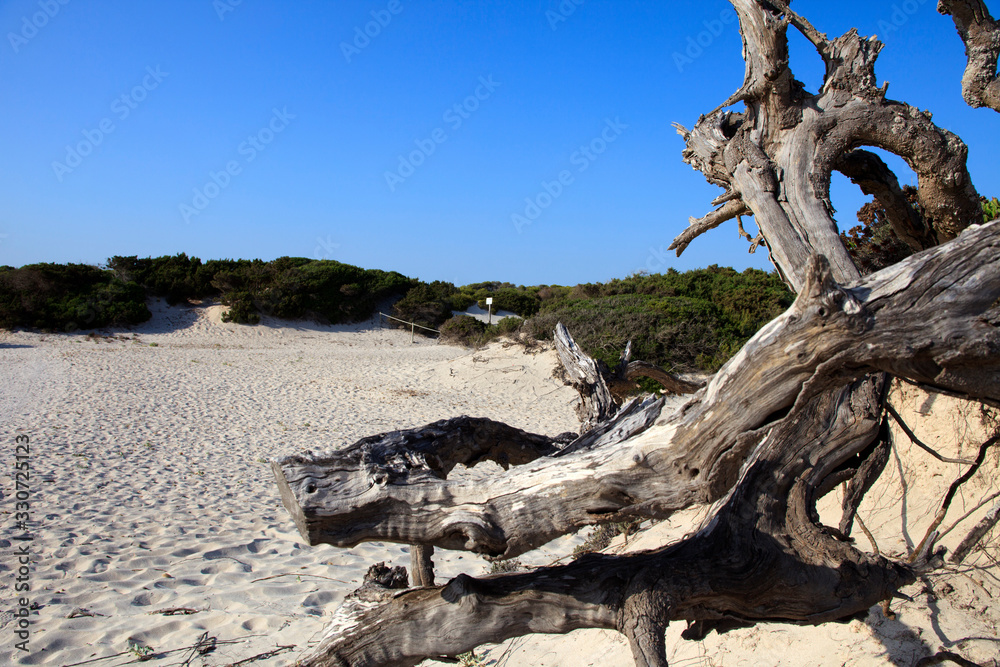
684, 321
67, 297
691, 321
288, 287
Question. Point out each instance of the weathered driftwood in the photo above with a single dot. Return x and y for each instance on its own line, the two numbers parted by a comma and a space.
602, 390
422, 565
981, 34
345, 479
778, 426
761, 558
921, 319
597, 405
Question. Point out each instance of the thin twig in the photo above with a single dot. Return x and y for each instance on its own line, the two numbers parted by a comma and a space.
977, 533
262, 656
162, 653
177, 611
864, 529
298, 574
915, 440
103, 657
206, 644
965, 516
951, 494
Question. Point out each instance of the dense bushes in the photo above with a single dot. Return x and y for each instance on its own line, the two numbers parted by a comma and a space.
683, 321
465, 330
287, 288
430, 304
66, 297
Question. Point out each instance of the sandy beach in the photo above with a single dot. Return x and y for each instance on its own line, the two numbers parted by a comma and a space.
155, 517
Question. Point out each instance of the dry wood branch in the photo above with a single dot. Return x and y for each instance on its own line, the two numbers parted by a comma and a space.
870, 173
698, 226
779, 154
761, 558
384, 460
981, 35
619, 382
421, 565
868, 534
928, 540
982, 503
977, 533
919, 319
597, 404
262, 656
868, 472
671, 383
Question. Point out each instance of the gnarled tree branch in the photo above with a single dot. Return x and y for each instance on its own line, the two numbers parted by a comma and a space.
771, 432
921, 319
981, 35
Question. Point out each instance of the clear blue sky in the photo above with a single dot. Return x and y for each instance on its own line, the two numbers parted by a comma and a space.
153, 98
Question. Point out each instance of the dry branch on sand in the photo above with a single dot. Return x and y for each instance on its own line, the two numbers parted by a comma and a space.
779, 426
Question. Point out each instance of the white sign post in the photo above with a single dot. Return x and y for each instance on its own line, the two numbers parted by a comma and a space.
489, 306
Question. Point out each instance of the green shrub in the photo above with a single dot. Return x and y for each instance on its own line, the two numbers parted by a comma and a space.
507, 326
67, 297
463, 330
287, 287
428, 304
682, 321
991, 209
241, 309
514, 300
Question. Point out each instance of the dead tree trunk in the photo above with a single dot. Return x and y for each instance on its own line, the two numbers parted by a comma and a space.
773, 430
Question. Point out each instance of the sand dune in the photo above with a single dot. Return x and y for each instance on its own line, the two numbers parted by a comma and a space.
156, 518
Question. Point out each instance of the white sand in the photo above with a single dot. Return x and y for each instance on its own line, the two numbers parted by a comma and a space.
151, 491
